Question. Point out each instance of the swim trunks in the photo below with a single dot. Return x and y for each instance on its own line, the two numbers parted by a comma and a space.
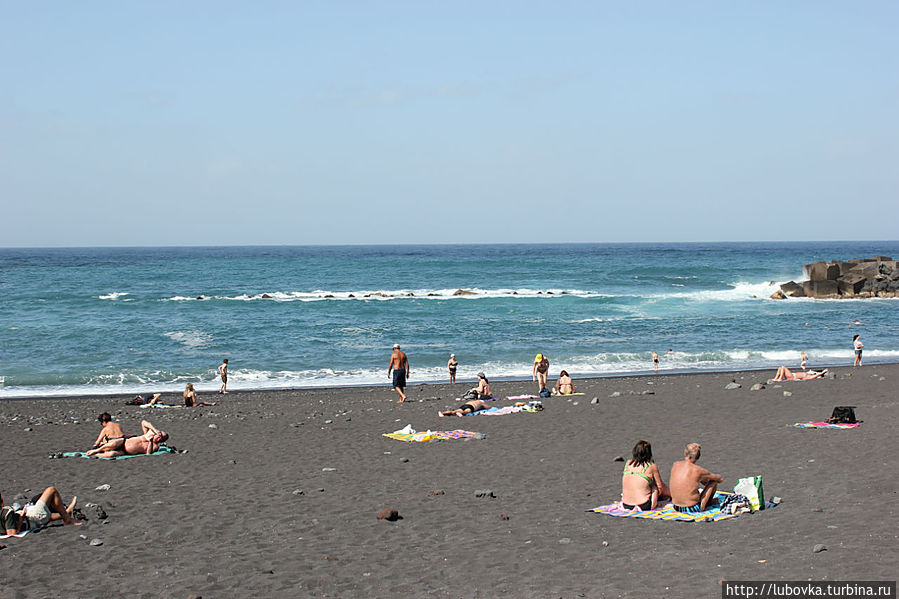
38, 515
694, 509
644, 506
399, 378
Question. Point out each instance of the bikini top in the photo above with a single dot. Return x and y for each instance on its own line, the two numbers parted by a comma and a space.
641, 474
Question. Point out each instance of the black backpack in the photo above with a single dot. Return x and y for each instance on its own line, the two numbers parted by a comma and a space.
545, 393
843, 415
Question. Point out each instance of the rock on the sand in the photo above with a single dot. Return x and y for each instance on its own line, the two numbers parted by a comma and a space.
787, 394
389, 514
731, 386
104, 487
757, 387
96, 542
819, 548
484, 493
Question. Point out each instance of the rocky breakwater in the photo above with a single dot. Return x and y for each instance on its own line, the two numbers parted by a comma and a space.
859, 278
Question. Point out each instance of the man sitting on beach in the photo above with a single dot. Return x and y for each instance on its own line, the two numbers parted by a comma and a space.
469, 407
686, 477
48, 508
785, 374
146, 443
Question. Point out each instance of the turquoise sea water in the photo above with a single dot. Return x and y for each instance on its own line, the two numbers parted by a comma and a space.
93, 321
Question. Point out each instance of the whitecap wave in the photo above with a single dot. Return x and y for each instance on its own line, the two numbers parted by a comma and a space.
190, 339
113, 296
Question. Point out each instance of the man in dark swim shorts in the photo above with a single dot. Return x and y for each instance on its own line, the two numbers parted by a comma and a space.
469, 407
686, 478
399, 364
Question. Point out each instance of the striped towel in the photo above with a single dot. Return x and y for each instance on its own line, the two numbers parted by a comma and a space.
824, 425
426, 436
666, 511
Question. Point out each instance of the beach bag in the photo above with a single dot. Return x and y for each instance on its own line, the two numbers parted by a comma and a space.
470, 394
544, 393
751, 488
843, 415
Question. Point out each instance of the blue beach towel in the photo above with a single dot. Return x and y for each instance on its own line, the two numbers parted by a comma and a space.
163, 449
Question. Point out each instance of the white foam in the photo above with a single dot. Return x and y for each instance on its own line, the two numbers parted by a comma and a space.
190, 339
113, 296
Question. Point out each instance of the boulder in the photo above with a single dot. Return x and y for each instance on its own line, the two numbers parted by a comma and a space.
851, 283
463, 292
820, 289
867, 269
778, 295
388, 514
844, 267
792, 289
816, 271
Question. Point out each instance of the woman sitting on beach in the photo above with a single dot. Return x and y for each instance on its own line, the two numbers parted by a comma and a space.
190, 398
111, 430
483, 388
641, 482
564, 386
785, 374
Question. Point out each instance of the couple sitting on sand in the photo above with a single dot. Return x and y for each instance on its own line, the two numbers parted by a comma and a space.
112, 442
46, 508
785, 374
642, 486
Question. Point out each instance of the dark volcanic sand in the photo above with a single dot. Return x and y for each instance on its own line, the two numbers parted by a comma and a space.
223, 521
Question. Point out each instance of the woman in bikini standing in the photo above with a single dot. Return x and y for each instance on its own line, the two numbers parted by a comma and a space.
641, 482
541, 367
451, 366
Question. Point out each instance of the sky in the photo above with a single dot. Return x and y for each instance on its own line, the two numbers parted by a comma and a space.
128, 123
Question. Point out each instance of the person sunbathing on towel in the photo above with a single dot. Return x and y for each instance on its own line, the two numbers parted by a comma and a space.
564, 386
111, 430
48, 508
469, 407
146, 443
641, 482
785, 374
686, 478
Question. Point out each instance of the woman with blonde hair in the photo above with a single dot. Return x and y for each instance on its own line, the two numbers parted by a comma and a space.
190, 398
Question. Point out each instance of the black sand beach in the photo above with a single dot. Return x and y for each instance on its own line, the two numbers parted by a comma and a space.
278, 493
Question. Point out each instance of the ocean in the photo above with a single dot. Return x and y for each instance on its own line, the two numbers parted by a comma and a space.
93, 321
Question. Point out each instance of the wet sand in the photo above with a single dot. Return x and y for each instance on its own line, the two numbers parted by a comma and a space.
253, 508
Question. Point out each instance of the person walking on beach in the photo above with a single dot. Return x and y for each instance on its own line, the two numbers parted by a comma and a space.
452, 365
541, 368
223, 372
399, 364
858, 345
655, 361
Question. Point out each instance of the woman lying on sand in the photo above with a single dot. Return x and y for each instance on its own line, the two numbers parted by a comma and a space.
641, 482
469, 407
784, 374
48, 508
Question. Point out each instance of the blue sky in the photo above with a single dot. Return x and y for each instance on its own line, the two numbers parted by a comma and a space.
226, 123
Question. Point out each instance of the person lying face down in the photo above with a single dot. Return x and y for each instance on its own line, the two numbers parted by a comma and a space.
469, 407
785, 374
146, 443
48, 508
687, 477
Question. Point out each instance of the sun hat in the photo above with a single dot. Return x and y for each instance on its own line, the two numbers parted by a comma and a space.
539, 358
481, 375
396, 346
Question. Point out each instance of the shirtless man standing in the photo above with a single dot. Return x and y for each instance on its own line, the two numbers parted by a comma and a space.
686, 477
146, 443
399, 364
223, 372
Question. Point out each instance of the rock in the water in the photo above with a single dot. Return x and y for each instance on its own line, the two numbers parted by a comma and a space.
819, 548
757, 387
731, 386
463, 292
389, 514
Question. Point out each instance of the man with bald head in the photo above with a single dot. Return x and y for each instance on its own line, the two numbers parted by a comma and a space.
687, 477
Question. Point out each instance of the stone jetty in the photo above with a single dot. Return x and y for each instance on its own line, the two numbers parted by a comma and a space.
858, 278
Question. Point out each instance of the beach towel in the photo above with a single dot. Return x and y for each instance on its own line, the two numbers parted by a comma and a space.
666, 511
523, 397
18, 535
163, 449
160, 405
824, 425
426, 436
503, 411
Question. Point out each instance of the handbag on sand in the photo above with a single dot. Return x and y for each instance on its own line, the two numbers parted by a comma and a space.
843, 415
751, 488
